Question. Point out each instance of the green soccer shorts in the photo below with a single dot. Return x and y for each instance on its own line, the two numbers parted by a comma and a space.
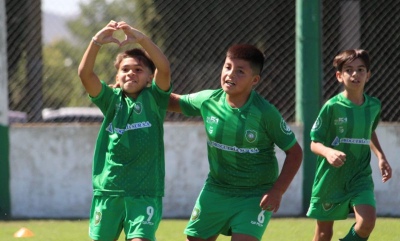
221, 214
138, 216
340, 211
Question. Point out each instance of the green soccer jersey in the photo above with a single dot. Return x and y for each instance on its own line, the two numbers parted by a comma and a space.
129, 153
346, 127
240, 141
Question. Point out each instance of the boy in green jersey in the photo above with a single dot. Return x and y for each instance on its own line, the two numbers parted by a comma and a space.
342, 137
244, 186
128, 164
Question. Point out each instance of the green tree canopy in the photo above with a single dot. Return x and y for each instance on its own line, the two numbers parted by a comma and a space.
62, 86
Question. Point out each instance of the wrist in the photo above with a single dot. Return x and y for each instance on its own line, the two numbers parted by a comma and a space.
141, 39
96, 42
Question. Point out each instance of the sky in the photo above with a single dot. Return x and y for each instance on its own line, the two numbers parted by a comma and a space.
61, 7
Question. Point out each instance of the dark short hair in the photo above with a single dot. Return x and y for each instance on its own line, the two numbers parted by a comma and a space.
249, 53
349, 56
138, 54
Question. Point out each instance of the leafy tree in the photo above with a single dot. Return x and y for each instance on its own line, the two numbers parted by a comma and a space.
61, 83
62, 86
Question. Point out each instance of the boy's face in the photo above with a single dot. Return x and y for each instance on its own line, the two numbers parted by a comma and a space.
237, 77
133, 76
354, 75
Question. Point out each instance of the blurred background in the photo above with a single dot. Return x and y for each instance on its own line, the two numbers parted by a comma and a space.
47, 38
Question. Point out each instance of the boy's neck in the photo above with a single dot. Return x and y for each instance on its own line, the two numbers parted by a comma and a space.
237, 101
357, 97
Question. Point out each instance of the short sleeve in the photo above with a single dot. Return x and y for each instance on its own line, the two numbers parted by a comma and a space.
191, 103
161, 96
105, 97
320, 127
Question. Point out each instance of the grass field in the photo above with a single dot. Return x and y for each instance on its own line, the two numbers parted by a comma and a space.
279, 229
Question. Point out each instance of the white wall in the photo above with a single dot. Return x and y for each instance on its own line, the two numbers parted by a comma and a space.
51, 171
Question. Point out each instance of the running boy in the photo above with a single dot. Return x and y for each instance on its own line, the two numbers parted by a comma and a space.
128, 164
342, 137
243, 187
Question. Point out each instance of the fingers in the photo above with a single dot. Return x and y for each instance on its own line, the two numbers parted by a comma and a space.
336, 158
340, 162
125, 42
341, 157
270, 203
271, 208
105, 35
113, 24
386, 173
114, 40
123, 25
337, 162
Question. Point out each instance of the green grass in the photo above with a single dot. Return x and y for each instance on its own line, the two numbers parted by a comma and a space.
279, 229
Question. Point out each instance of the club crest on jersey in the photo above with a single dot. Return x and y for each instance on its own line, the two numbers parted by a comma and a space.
285, 127
195, 214
251, 135
97, 217
327, 206
138, 108
317, 124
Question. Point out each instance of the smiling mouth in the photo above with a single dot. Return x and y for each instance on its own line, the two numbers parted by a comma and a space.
230, 83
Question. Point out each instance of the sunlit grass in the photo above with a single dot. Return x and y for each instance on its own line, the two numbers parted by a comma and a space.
279, 229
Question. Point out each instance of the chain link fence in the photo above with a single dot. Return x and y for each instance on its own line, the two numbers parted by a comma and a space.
194, 35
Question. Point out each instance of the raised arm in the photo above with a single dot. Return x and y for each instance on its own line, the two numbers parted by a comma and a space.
163, 72
86, 73
384, 167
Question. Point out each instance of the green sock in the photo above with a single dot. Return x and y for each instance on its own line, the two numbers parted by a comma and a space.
353, 236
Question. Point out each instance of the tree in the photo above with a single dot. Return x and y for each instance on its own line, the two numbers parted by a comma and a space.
62, 86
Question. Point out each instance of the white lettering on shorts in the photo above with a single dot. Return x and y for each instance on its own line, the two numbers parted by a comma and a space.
260, 219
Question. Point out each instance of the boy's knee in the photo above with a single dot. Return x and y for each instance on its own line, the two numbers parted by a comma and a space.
324, 231
325, 234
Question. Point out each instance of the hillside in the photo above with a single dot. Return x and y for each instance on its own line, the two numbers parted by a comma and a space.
54, 27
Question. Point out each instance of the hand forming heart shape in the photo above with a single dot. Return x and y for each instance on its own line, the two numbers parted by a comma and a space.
105, 35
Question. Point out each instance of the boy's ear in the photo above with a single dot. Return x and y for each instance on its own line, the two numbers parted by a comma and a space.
151, 77
339, 76
256, 79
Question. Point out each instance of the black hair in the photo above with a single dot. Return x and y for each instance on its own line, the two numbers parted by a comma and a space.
349, 56
249, 53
